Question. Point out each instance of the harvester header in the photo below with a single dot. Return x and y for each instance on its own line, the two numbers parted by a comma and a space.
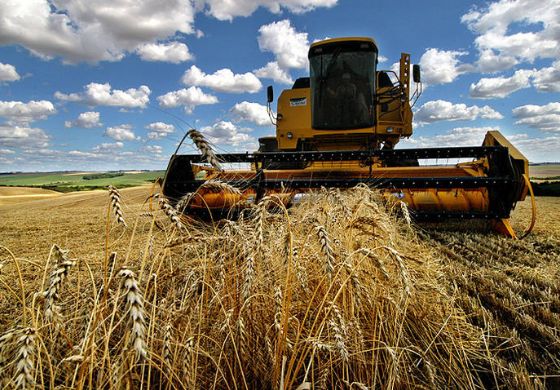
338, 128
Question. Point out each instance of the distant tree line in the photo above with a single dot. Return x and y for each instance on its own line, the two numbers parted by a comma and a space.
106, 175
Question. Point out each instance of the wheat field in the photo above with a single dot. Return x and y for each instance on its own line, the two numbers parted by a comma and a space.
114, 289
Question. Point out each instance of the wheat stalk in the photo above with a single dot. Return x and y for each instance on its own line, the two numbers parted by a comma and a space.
205, 148
135, 309
115, 197
59, 273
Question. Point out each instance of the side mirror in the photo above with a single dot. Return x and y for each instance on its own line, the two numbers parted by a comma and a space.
269, 94
416, 73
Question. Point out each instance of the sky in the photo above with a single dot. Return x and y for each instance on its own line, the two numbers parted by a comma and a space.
115, 84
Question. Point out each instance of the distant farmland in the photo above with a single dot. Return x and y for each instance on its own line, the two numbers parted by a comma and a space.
77, 181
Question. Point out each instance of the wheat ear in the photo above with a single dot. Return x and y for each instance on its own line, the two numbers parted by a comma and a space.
135, 309
171, 212
205, 148
25, 363
325, 247
115, 197
59, 273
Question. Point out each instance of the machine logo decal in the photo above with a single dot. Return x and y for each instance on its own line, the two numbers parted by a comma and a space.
298, 102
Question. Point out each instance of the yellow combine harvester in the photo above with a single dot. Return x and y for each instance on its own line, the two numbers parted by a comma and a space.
338, 128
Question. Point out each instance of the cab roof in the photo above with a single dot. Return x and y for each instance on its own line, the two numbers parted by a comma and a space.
349, 42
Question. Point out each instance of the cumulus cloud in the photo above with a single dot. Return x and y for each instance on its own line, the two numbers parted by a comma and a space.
226, 133
152, 149
20, 112
189, 98
108, 147
223, 80
545, 117
227, 10
458, 136
442, 66
174, 52
6, 151
96, 94
22, 136
548, 79
91, 30
251, 112
106, 30
288, 46
490, 62
441, 110
500, 87
538, 149
159, 130
121, 133
539, 22
273, 71
86, 120
8, 73
535, 149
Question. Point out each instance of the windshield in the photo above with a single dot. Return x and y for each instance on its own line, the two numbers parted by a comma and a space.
342, 84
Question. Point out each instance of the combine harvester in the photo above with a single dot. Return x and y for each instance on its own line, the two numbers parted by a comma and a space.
338, 128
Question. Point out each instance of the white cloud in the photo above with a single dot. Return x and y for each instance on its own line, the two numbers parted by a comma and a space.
20, 112
226, 133
174, 52
442, 66
223, 80
274, 72
289, 46
91, 30
548, 79
490, 62
500, 87
458, 136
545, 118
159, 130
96, 94
251, 112
6, 151
535, 149
539, 22
22, 136
545, 149
227, 10
8, 73
108, 147
106, 30
189, 98
152, 149
86, 120
441, 110
121, 133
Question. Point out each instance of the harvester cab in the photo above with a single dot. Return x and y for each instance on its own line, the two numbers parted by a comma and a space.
338, 128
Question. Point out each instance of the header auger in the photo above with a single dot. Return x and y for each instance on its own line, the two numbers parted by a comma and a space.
338, 128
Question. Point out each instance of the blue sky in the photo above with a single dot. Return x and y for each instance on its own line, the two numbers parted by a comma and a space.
98, 84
